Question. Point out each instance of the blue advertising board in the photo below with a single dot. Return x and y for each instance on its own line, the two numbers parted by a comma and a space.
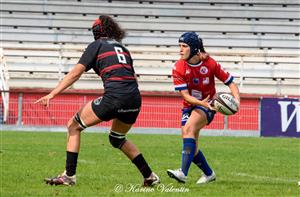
280, 117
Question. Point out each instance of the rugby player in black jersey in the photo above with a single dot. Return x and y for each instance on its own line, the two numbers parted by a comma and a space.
121, 101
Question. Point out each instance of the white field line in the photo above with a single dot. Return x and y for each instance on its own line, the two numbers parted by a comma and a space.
266, 178
86, 161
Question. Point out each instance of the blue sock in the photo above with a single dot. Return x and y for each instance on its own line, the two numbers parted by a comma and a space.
201, 162
188, 151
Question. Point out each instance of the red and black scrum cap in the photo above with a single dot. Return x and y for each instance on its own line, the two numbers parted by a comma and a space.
98, 29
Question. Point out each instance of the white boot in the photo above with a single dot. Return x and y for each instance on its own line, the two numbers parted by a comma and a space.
206, 179
178, 175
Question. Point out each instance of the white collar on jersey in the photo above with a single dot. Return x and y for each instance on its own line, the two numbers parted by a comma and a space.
195, 65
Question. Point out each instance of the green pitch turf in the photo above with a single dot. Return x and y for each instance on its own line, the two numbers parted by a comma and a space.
244, 166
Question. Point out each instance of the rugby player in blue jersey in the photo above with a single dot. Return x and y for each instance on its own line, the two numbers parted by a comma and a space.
194, 78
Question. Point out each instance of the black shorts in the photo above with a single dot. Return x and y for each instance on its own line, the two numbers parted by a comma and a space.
123, 107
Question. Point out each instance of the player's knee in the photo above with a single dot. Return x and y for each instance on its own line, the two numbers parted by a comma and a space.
70, 122
76, 122
117, 140
188, 131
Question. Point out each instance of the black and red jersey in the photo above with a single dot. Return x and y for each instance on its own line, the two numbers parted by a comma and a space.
113, 63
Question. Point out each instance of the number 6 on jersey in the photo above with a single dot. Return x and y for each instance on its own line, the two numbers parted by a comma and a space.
120, 55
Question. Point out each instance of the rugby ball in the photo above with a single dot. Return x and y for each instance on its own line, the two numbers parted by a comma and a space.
225, 103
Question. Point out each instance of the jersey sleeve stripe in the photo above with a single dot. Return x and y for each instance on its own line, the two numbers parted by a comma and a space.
228, 80
181, 87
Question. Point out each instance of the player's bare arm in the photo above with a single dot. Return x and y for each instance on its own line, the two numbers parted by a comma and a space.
194, 101
235, 91
68, 80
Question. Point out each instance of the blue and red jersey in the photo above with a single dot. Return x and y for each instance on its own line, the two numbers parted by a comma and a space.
199, 79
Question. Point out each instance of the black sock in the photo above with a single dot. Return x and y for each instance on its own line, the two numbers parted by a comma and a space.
71, 163
142, 165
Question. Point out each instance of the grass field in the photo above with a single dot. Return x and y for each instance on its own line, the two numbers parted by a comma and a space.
244, 166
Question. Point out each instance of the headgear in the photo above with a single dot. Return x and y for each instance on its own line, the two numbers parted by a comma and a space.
194, 41
98, 29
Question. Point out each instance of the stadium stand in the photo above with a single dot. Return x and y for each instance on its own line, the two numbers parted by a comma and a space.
257, 41
283, 3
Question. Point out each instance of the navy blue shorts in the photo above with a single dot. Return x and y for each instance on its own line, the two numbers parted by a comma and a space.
186, 112
123, 107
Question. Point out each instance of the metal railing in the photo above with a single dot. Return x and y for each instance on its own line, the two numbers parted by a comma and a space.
158, 111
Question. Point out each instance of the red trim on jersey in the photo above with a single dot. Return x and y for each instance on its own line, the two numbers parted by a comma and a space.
115, 66
110, 53
103, 55
121, 78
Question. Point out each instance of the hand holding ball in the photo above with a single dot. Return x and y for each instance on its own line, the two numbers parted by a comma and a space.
225, 103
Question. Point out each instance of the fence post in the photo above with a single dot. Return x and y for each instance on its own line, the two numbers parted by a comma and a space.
225, 122
259, 116
242, 74
60, 66
20, 103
